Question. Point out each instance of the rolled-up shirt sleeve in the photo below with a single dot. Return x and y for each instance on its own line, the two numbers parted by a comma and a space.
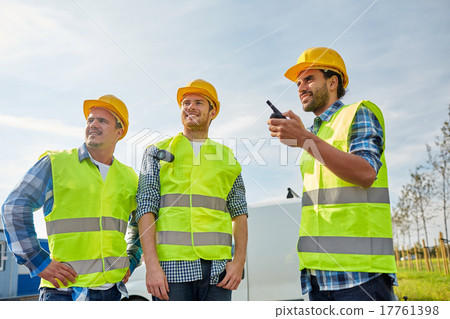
148, 194
30, 194
134, 248
236, 202
366, 137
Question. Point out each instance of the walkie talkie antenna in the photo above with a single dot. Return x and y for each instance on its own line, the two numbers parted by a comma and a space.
276, 112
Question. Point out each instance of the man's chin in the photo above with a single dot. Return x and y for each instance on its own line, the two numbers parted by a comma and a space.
93, 144
306, 108
310, 107
190, 123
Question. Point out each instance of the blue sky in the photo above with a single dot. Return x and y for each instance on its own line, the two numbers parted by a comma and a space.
56, 54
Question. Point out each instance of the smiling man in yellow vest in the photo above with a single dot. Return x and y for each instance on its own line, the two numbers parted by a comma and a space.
193, 188
345, 244
87, 197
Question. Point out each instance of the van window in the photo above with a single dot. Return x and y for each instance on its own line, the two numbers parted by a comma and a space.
3, 256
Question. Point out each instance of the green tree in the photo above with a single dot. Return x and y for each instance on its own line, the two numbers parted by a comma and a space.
439, 160
401, 218
420, 190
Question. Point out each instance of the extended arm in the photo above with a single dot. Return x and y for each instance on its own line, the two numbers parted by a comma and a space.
148, 197
349, 167
237, 206
235, 267
155, 278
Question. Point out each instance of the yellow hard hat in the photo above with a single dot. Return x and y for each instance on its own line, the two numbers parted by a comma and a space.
114, 105
203, 88
319, 58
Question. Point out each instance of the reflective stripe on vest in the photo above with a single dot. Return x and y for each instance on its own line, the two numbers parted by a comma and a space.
89, 218
194, 221
343, 226
184, 200
346, 245
200, 239
84, 267
87, 224
345, 195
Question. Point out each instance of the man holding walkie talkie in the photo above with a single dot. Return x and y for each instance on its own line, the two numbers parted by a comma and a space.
345, 241
190, 190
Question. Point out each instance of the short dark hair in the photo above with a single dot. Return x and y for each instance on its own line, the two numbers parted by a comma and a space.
118, 124
340, 90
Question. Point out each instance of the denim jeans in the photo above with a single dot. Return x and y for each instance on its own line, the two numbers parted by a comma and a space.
51, 294
377, 289
199, 290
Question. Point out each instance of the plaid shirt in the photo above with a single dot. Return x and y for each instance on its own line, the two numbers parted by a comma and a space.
34, 191
365, 140
148, 198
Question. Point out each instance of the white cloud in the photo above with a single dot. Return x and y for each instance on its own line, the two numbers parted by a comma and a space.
29, 31
56, 53
41, 125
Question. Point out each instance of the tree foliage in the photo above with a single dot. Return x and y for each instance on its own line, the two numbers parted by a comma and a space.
439, 160
426, 195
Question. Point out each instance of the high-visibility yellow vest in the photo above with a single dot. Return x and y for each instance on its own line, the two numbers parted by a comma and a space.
193, 220
343, 226
87, 225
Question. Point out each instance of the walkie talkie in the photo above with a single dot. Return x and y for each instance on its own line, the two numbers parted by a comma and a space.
276, 112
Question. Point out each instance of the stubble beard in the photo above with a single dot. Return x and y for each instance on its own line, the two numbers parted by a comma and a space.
319, 100
93, 145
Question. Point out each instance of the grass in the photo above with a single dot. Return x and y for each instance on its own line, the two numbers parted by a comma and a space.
423, 285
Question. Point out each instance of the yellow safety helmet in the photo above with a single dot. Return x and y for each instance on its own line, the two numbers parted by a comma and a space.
112, 104
203, 88
319, 58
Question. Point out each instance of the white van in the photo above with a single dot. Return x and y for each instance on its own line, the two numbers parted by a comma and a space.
271, 270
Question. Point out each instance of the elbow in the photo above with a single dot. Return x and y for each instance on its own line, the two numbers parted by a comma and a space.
368, 179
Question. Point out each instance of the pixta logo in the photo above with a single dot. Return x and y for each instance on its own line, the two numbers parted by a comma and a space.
247, 151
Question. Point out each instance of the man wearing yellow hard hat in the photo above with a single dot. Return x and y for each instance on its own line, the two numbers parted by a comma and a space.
87, 197
190, 190
345, 244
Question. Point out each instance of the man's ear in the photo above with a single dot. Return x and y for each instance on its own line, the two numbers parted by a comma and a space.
333, 82
119, 133
213, 112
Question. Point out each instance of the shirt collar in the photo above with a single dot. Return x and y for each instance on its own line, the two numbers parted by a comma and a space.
83, 153
329, 112
326, 116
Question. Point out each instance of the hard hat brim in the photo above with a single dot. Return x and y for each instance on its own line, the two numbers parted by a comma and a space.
89, 104
193, 90
293, 72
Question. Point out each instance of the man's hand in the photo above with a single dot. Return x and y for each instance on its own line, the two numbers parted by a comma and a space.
235, 268
233, 276
347, 166
60, 271
127, 276
156, 282
155, 278
290, 131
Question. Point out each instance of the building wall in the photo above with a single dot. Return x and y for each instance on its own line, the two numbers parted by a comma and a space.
8, 274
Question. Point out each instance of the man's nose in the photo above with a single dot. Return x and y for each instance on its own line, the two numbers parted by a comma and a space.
301, 87
93, 123
189, 106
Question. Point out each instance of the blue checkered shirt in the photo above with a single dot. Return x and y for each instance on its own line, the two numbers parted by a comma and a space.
148, 199
365, 140
34, 191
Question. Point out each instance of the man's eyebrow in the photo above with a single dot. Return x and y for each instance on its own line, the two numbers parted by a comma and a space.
307, 78
98, 118
195, 100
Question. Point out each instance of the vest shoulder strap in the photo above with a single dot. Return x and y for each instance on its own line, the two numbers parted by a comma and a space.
52, 154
